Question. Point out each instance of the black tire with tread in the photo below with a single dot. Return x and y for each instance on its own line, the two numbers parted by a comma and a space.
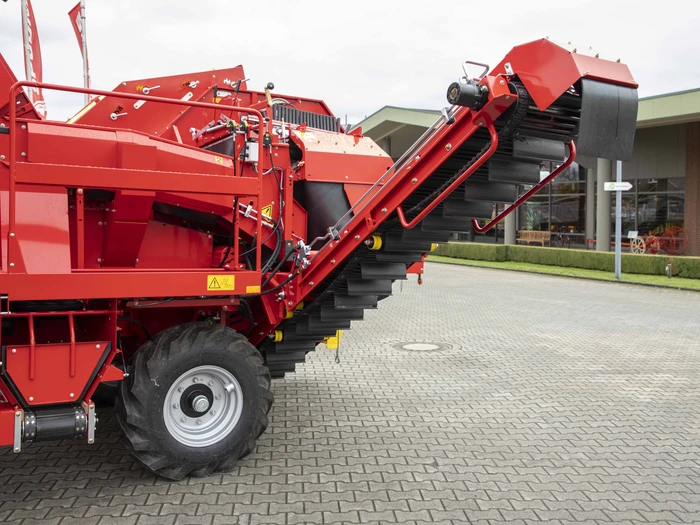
159, 363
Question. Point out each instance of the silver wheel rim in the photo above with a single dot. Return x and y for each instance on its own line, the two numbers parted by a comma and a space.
203, 406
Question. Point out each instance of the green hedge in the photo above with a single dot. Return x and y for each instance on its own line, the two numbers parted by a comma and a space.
473, 251
688, 267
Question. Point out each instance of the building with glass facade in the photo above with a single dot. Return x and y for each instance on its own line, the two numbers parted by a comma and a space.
664, 173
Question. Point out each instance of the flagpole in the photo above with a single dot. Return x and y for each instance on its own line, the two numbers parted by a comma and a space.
86, 71
27, 56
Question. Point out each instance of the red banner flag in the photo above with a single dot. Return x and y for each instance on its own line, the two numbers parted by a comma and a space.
76, 20
32, 63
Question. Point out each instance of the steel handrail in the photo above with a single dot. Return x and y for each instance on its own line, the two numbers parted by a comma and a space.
130, 96
528, 194
464, 176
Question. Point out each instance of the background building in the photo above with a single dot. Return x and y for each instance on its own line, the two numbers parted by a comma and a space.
664, 173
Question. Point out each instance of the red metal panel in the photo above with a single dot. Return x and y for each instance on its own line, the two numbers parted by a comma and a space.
106, 284
52, 381
331, 157
42, 229
548, 70
167, 246
7, 423
113, 179
153, 117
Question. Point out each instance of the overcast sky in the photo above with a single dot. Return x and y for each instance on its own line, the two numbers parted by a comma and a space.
357, 55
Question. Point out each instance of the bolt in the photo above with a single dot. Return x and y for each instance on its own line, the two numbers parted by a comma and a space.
502, 82
23, 154
99, 259
99, 223
414, 180
72, 395
183, 419
384, 210
311, 283
2, 157
195, 380
213, 412
14, 350
31, 398
199, 421
17, 414
357, 237
176, 406
289, 303
218, 396
180, 389
80, 191
97, 346
137, 261
12, 265
24, 126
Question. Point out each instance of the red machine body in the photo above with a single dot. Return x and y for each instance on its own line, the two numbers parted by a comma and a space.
192, 198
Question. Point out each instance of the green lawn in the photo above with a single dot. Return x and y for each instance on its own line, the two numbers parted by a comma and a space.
654, 280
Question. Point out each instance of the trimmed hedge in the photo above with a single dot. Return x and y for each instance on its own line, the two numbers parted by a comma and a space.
474, 251
688, 267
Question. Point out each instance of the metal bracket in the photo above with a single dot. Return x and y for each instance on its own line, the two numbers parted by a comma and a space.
19, 423
448, 116
91, 420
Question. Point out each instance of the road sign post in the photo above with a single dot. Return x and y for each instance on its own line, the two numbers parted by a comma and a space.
618, 186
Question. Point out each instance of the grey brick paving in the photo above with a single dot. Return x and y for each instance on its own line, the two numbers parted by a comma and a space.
562, 401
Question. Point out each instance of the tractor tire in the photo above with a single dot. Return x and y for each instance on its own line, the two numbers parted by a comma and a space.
195, 401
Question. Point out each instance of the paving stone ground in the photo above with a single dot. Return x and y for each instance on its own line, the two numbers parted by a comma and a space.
560, 401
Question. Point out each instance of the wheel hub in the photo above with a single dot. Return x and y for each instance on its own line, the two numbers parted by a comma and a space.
203, 406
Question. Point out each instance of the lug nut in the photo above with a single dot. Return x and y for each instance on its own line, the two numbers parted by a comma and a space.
199, 421
184, 419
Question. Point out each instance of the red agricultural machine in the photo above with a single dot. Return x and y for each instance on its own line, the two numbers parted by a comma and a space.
190, 238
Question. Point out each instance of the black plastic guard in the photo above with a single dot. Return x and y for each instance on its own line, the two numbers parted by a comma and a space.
608, 120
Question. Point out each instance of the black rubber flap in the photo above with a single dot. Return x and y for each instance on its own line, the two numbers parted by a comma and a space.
608, 120
538, 149
510, 170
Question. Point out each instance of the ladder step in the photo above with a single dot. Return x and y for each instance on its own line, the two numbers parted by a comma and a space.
453, 207
436, 222
418, 235
328, 313
394, 242
405, 257
378, 270
369, 287
344, 300
490, 191
504, 170
317, 324
538, 149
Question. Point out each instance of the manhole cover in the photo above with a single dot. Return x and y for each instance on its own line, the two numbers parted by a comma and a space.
422, 346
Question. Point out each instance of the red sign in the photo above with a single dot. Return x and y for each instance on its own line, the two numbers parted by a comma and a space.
32, 63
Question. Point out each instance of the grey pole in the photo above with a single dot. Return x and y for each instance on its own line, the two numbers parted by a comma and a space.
83, 45
618, 224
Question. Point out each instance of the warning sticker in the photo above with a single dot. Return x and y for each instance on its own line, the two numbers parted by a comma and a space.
220, 282
267, 210
219, 160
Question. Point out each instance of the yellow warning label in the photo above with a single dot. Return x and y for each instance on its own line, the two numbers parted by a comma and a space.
252, 289
218, 160
220, 282
267, 210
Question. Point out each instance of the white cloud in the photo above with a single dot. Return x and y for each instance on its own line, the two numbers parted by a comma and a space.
357, 56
